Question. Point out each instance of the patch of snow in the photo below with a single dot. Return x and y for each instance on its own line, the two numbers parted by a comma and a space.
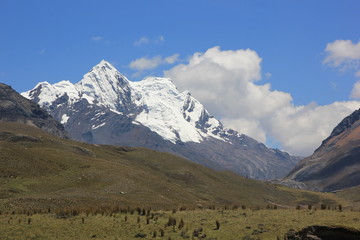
64, 119
100, 125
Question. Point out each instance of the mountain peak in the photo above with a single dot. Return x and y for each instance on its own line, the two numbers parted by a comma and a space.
104, 64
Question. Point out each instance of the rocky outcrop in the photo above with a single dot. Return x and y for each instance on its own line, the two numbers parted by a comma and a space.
323, 233
16, 108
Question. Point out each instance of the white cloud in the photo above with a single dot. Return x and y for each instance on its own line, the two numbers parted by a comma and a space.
345, 55
145, 40
342, 53
172, 59
225, 82
146, 63
96, 38
355, 93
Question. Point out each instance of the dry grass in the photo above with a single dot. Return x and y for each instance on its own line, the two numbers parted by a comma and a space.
233, 224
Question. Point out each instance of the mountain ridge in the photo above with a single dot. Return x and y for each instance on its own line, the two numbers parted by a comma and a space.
16, 108
335, 164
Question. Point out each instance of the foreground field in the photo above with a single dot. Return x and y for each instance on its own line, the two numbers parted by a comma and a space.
198, 224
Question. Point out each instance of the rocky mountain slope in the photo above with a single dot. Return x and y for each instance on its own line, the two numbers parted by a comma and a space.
106, 108
336, 163
16, 108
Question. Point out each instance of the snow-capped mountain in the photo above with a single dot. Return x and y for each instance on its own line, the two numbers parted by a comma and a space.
106, 108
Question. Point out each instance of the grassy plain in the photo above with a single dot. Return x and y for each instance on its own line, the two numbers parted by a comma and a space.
198, 224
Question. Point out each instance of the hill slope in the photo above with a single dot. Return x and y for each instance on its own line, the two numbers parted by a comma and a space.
39, 170
106, 108
336, 163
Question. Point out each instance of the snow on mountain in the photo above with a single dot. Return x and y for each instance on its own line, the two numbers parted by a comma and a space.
171, 114
106, 108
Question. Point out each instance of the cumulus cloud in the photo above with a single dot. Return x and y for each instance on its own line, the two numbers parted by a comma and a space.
226, 83
146, 63
342, 53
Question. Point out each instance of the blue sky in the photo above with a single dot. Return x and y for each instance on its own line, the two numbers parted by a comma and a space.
61, 40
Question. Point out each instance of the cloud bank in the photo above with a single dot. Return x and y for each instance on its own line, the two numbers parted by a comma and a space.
226, 83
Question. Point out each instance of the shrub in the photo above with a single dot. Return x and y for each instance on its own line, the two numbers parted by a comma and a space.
171, 222
217, 225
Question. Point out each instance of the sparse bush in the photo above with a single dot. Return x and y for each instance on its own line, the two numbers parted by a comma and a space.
217, 225
182, 208
171, 222
154, 234
140, 235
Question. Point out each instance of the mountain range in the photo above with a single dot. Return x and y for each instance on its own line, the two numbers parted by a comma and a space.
106, 108
48, 172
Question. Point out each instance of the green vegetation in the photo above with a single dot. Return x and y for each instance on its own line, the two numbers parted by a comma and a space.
197, 224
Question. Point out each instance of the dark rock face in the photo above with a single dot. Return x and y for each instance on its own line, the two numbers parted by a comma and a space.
344, 125
16, 108
336, 163
323, 233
